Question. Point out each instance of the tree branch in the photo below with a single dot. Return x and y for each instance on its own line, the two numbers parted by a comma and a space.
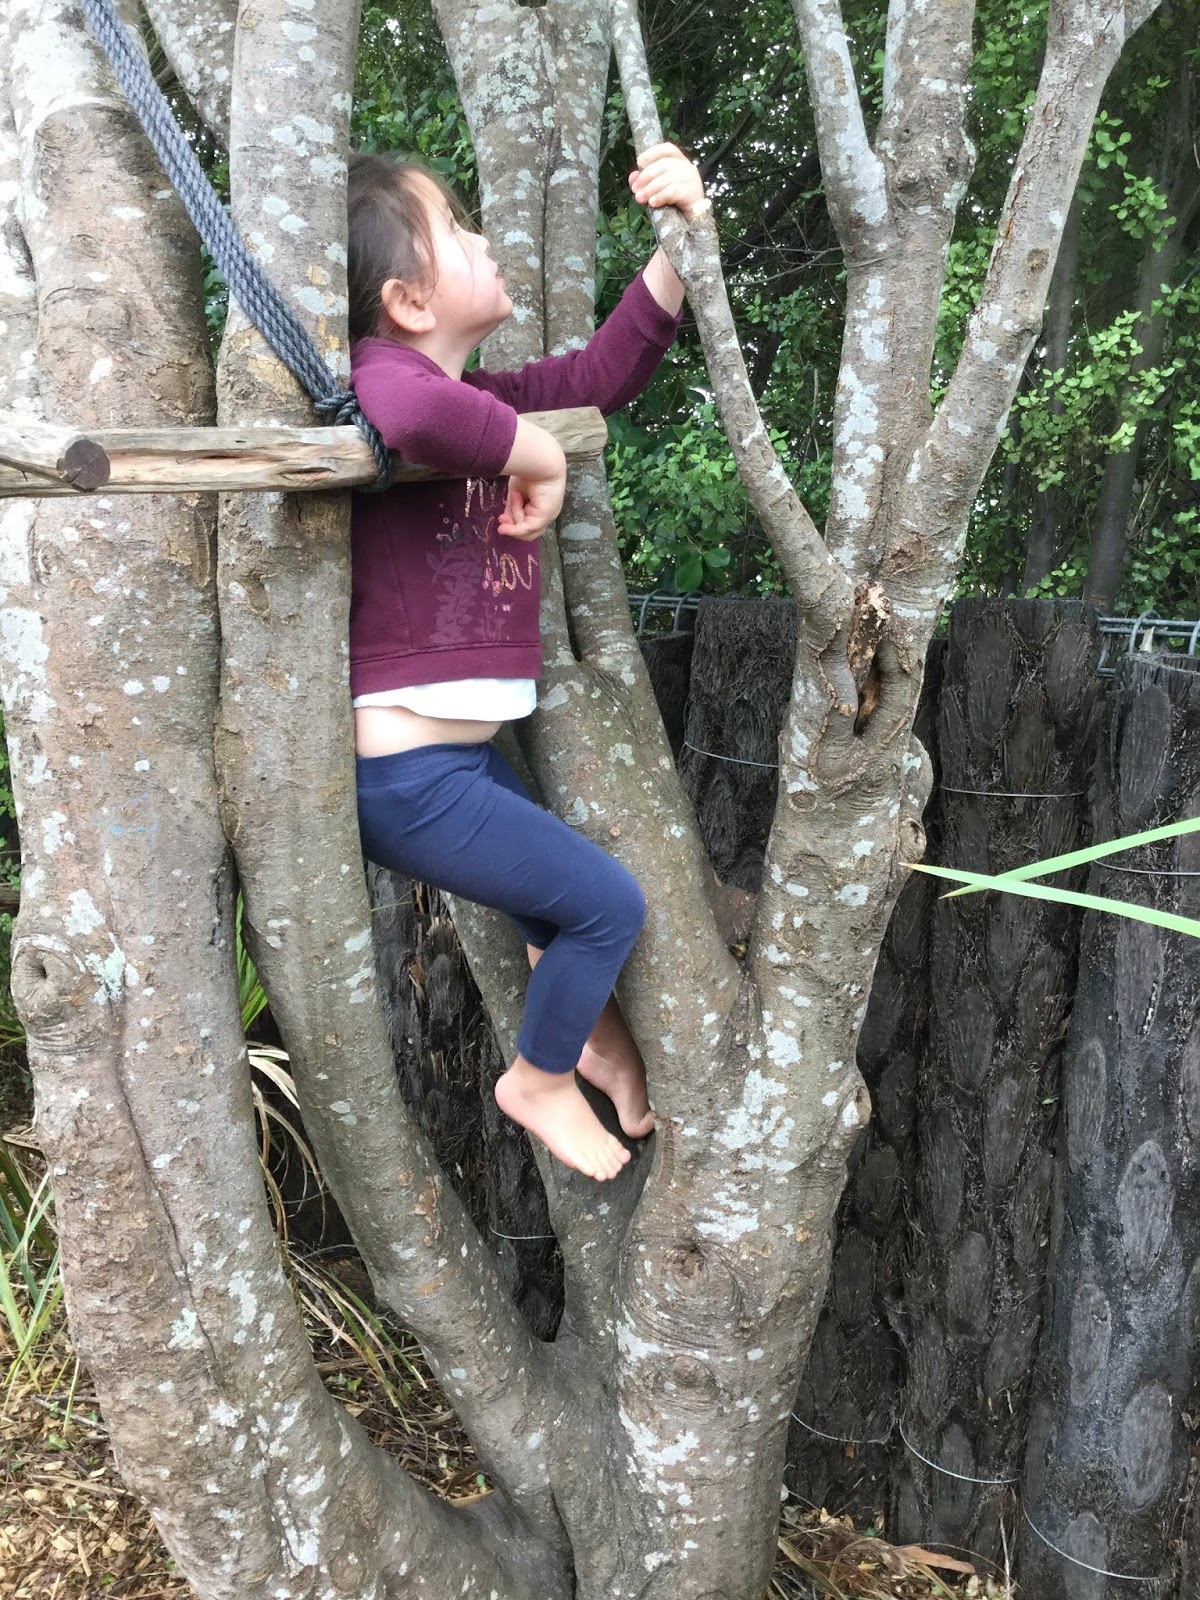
855, 185
1085, 39
197, 39
895, 266
822, 591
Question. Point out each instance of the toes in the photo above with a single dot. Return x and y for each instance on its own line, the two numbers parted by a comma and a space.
608, 1160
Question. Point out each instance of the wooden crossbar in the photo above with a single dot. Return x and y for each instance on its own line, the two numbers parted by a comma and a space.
37, 460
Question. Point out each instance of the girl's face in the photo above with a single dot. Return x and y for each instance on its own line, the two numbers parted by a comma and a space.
469, 299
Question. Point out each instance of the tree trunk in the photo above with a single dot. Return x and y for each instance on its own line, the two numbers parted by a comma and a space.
1108, 1453
1015, 737
844, 1446
123, 960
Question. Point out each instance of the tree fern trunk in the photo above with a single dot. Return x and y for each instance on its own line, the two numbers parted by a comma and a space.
1015, 741
1108, 1457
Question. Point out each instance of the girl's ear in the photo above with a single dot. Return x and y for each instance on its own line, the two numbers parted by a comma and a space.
404, 308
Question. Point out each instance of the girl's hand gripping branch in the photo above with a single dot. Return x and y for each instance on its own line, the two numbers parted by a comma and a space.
537, 480
665, 177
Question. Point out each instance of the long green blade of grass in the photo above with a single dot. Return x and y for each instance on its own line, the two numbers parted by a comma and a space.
1010, 884
9, 1306
1081, 858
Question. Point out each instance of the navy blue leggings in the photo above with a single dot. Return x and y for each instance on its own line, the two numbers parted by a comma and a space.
457, 816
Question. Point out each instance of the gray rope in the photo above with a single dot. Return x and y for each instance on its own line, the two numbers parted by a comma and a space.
248, 284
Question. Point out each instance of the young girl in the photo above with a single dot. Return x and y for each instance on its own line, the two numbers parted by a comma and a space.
444, 643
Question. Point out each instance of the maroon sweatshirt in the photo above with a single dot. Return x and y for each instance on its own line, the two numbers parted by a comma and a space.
437, 593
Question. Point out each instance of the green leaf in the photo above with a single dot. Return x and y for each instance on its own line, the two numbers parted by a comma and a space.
1093, 852
689, 572
1067, 897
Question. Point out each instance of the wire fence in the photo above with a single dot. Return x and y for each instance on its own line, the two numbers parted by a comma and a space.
667, 613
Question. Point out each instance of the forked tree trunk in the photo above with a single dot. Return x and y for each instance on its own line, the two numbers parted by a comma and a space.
1106, 1468
123, 964
640, 1456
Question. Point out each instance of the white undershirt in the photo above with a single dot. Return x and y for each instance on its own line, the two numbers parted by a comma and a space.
468, 699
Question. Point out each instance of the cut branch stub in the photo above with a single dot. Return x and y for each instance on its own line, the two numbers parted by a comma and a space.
40, 460
54, 453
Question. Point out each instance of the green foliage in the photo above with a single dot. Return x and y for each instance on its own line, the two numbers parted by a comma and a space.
405, 97
1062, 429
966, 268
30, 1284
732, 89
216, 291
684, 519
1166, 563
1142, 210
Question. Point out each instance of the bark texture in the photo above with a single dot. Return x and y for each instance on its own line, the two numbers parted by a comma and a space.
197, 38
1108, 1453
1016, 721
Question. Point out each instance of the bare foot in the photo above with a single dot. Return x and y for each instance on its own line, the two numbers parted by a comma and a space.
622, 1077
552, 1107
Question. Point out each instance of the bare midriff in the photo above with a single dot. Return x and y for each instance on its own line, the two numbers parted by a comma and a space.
382, 730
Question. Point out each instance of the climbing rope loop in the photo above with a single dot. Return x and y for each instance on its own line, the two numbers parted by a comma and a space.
248, 284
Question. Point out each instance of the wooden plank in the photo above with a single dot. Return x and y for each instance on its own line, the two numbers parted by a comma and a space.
203, 460
33, 446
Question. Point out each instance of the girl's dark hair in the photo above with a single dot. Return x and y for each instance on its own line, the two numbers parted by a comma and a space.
389, 233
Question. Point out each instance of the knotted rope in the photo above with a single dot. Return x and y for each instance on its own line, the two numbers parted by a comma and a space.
248, 284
